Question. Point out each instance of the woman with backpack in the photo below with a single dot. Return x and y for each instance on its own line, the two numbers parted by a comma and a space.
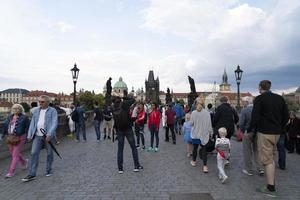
123, 126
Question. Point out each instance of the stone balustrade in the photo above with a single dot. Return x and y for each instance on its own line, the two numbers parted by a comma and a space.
61, 131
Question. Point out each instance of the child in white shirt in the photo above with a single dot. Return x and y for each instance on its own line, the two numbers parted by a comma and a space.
223, 149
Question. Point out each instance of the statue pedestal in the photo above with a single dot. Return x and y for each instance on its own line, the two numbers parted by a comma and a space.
191, 98
108, 100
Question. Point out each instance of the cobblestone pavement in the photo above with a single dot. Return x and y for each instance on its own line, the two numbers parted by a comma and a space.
89, 171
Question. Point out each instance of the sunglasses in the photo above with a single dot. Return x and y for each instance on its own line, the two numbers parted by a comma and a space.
41, 101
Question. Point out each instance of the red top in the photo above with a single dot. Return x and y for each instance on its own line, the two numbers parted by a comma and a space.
171, 115
140, 117
154, 118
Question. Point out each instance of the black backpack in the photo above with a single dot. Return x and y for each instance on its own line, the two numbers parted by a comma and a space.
75, 116
122, 119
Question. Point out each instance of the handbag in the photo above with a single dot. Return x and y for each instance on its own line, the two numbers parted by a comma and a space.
210, 146
12, 139
239, 135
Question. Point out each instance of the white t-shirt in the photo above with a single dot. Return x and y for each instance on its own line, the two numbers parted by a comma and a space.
41, 122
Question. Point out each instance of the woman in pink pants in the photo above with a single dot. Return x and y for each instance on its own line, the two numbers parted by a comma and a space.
16, 124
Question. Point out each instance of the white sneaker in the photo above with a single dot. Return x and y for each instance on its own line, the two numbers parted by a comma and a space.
49, 174
247, 172
224, 178
8, 175
121, 172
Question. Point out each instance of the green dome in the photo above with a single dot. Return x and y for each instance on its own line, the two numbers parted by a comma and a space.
120, 84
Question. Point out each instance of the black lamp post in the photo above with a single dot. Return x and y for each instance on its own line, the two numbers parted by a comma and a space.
75, 72
238, 76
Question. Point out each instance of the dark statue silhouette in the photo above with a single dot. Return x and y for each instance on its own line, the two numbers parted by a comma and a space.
192, 85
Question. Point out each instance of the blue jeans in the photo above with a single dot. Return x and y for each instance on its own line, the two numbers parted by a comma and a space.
281, 151
37, 144
139, 132
177, 125
130, 138
153, 132
97, 128
80, 128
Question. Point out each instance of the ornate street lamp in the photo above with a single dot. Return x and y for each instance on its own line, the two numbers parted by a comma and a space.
75, 72
238, 76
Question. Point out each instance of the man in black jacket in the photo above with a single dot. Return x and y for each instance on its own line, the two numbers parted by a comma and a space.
225, 116
123, 126
269, 117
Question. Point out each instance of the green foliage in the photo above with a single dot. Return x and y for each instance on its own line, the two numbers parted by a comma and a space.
25, 106
100, 99
89, 99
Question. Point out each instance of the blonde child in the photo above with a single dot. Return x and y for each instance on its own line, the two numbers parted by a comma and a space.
223, 149
186, 130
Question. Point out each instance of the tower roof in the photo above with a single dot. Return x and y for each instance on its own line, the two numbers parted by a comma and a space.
15, 90
151, 76
120, 84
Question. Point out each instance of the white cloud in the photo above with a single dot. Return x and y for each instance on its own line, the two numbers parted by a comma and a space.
63, 27
228, 33
223, 33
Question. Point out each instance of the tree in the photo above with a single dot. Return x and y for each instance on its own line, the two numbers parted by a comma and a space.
25, 106
87, 98
100, 99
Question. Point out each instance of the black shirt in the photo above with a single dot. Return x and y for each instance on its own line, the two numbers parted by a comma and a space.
270, 113
99, 114
107, 114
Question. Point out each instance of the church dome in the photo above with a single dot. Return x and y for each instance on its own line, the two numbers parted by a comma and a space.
120, 84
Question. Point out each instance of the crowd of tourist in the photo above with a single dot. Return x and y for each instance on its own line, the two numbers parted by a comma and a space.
264, 121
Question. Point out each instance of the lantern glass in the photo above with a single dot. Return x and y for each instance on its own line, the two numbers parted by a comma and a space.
75, 73
238, 74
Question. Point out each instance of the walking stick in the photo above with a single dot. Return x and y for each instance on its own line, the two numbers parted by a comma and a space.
50, 143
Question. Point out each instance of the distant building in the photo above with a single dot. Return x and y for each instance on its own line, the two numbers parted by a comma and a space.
64, 99
232, 97
5, 107
140, 94
33, 96
152, 88
13, 95
293, 97
179, 96
209, 97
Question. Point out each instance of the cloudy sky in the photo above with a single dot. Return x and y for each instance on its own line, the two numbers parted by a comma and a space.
40, 40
